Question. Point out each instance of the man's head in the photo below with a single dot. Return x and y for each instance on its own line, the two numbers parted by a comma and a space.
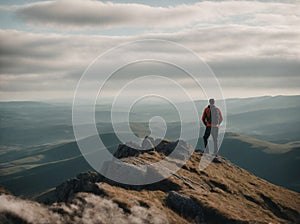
211, 101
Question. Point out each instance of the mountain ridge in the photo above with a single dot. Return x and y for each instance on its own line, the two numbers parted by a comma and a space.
222, 193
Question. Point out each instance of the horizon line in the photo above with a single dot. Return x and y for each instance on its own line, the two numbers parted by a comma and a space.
71, 99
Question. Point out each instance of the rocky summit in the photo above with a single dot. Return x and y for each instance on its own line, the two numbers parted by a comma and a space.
221, 193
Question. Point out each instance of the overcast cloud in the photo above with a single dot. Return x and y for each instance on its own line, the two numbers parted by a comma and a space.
91, 13
247, 44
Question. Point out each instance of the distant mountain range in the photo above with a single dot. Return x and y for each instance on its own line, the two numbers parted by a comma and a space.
274, 119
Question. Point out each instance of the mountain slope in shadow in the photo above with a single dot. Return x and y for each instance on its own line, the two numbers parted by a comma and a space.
277, 163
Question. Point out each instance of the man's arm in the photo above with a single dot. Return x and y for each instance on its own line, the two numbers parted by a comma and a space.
221, 116
204, 117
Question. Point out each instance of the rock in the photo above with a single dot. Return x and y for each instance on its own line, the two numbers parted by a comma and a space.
84, 182
125, 171
89, 176
124, 151
184, 206
183, 149
157, 141
131, 149
166, 147
156, 173
148, 143
217, 159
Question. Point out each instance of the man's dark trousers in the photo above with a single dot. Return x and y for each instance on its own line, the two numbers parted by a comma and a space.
214, 131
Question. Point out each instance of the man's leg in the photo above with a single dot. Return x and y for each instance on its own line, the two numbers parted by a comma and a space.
206, 135
215, 133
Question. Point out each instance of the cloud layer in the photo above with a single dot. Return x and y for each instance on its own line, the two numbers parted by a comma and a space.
90, 13
249, 45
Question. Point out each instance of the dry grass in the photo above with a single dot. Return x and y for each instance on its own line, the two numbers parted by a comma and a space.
230, 193
224, 192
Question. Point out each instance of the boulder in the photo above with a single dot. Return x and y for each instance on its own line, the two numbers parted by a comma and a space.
84, 182
124, 151
148, 143
185, 206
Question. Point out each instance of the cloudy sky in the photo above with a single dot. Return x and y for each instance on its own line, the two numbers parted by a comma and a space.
252, 47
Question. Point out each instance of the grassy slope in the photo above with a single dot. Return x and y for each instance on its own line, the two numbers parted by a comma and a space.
224, 192
45, 167
277, 163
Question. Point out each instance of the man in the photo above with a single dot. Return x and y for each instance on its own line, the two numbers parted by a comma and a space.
212, 118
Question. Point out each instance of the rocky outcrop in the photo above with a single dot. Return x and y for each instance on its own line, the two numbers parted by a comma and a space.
84, 182
125, 150
149, 144
185, 206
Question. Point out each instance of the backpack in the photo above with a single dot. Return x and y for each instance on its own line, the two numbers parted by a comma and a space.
214, 115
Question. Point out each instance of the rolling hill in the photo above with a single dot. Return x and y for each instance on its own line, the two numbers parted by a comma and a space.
277, 163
